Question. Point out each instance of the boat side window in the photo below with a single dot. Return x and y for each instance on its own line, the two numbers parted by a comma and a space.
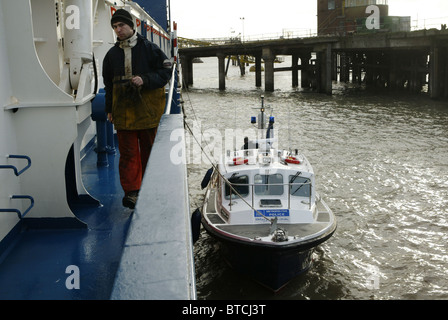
240, 184
299, 186
271, 184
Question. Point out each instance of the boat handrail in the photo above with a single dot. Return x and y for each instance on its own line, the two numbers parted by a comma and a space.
252, 185
173, 85
17, 172
20, 214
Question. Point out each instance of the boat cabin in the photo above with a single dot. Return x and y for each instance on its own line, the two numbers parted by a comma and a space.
266, 184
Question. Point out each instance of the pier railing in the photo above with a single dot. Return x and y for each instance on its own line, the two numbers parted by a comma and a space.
422, 24
285, 34
416, 24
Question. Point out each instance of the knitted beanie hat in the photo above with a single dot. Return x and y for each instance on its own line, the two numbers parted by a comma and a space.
124, 16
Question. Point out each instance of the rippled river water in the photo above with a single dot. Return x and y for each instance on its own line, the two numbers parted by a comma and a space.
381, 163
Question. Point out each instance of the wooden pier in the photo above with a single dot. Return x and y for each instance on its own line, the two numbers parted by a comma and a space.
401, 60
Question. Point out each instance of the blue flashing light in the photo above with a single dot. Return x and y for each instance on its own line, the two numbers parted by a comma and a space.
271, 119
253, 119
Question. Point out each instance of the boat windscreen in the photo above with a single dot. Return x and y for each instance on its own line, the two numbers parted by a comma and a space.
271, 184
240, 184
299, 186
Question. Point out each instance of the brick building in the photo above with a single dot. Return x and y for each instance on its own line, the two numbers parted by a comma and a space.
348, 16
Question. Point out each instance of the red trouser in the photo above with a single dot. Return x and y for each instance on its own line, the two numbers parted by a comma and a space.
135, 147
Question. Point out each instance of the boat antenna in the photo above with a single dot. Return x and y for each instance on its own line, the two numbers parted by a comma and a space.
262, 116
234, 129
288, 129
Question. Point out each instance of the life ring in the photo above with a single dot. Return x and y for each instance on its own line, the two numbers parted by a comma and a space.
240, 160
292, 160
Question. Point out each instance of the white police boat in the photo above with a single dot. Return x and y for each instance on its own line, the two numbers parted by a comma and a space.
261, 204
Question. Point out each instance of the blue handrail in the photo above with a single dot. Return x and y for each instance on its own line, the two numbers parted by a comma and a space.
16, 172
20, 214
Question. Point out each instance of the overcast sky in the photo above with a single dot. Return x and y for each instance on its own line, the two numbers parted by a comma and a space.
214, 19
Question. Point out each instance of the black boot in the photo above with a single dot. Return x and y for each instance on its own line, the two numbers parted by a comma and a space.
130, 199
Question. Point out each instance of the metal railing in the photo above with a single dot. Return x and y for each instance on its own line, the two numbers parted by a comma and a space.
430, 23
16, 171
173, 86
19, 213
361, 3
253, 185
285, 34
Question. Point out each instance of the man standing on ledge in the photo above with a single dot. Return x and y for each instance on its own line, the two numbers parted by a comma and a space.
135, 72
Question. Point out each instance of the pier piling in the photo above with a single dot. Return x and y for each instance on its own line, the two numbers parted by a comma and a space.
222, 71
268, 57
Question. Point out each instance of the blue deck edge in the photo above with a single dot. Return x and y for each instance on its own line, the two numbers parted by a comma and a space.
157, 261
